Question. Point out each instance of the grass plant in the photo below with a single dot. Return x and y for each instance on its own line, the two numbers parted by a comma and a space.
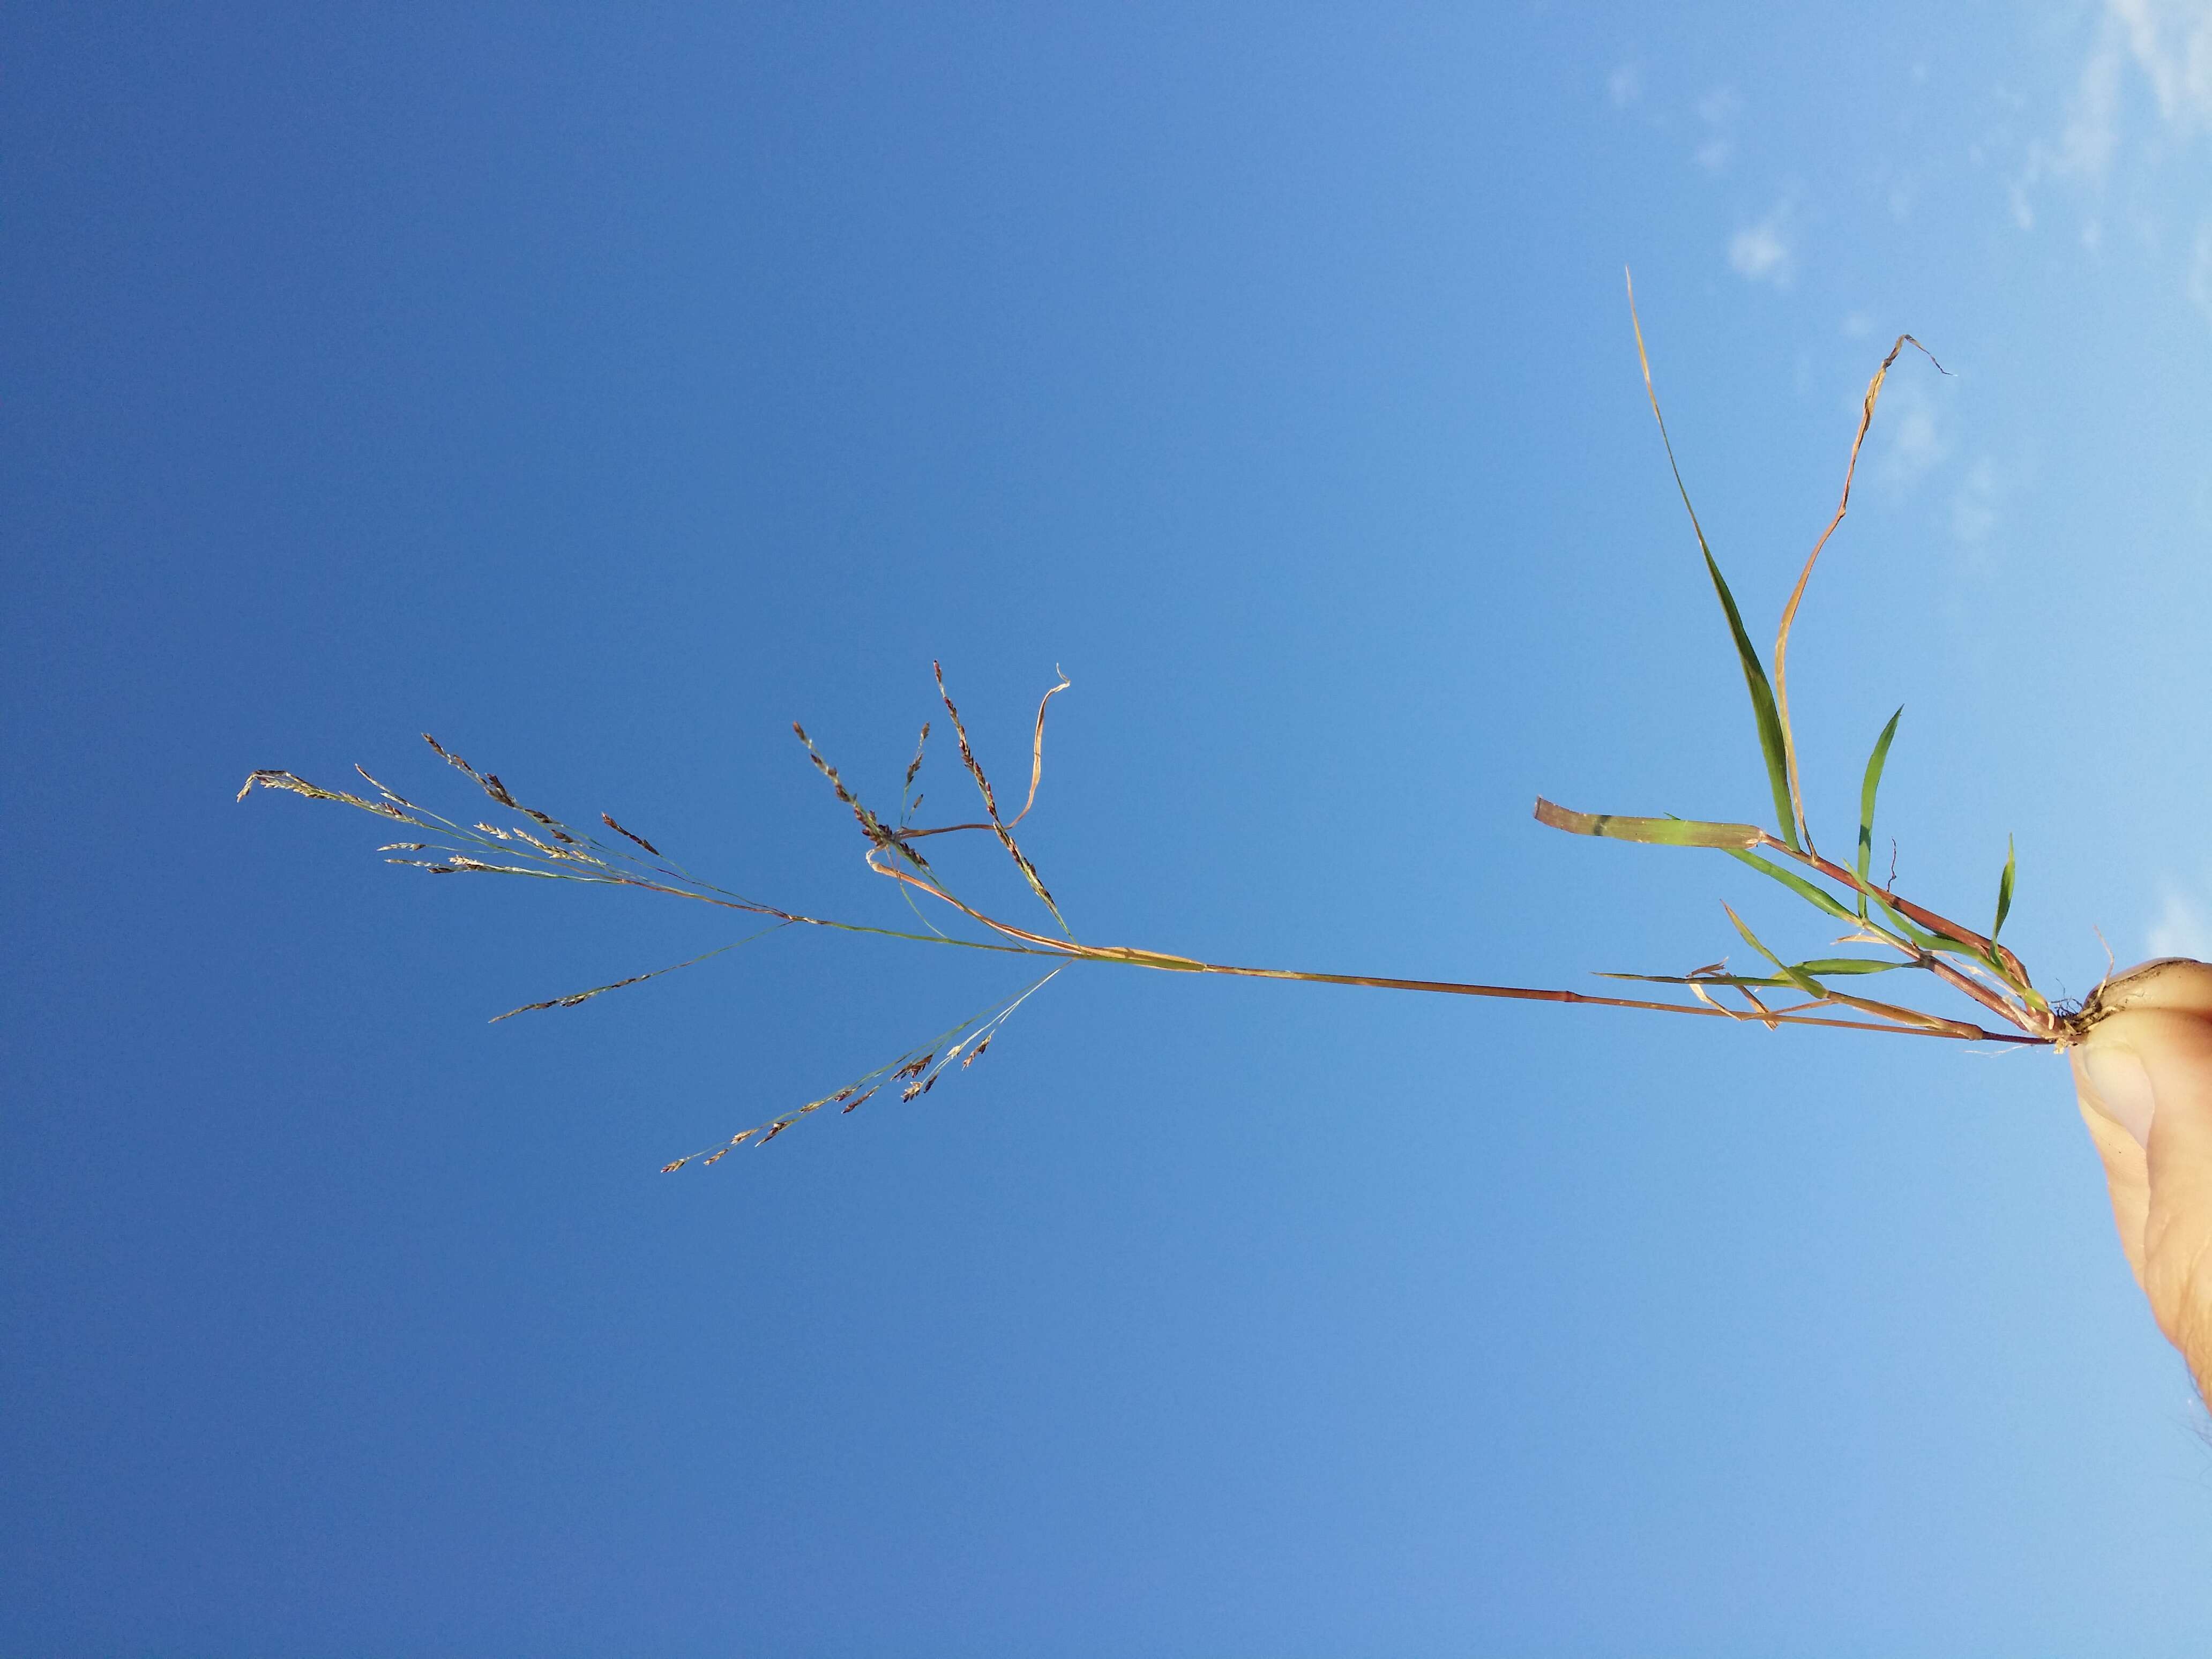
1882, 932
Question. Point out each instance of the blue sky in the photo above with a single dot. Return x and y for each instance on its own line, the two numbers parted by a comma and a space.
601, 392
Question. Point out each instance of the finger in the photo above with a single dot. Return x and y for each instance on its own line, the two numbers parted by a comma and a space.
2147, 1066
2127, 1171
2176, 1053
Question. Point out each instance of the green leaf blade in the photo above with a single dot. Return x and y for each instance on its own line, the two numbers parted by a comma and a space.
1936, 943
1770, 981
1653, 832
2004, 892
1802, 981
1868, 789
1820, 898
1823, 965
1763, 711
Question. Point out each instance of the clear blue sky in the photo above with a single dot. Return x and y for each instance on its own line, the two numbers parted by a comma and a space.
603, 388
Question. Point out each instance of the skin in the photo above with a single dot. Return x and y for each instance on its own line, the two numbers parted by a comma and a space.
2144, 1078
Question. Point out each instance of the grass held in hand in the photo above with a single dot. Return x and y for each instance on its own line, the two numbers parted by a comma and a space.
1882, 932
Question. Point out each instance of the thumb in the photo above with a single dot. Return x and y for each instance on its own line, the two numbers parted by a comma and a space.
2145, 1067
2145, 1028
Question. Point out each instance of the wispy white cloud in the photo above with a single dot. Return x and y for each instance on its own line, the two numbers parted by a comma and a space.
2169, 43
1974, 504
2091, 131
1762, 252
1910, 440
1717, 110
2182, 927
2199, 285
1624, 85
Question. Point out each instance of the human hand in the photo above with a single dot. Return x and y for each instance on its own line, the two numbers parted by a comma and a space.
2144, 1078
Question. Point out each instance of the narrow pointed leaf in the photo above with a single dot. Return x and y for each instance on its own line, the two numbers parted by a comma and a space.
1867, 790
1658, 832
1773, 735
1932, 941
1754, 979
1772, 744
2004, 892
1796, 976
1817, 896
1926, 939
1825, 965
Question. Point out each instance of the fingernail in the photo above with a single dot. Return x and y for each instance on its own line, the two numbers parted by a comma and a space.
2123, 1089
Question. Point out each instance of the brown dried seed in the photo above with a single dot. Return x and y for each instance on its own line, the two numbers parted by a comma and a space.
451, 758
914, 766
632, 834
390, 794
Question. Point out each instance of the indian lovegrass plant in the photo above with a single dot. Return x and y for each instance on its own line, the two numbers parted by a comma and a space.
1882, 932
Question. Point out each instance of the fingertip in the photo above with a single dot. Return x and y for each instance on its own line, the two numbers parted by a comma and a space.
2113, 1081
2179, 985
